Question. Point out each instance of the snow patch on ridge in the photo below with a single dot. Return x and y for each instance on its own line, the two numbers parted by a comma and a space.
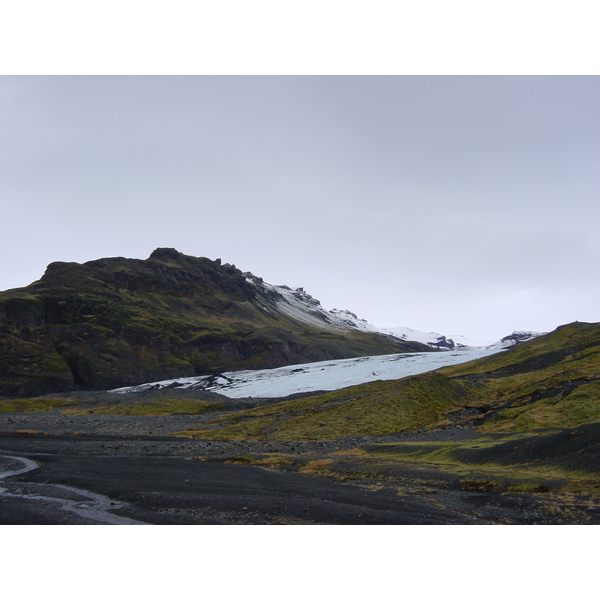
299, 305
296, 304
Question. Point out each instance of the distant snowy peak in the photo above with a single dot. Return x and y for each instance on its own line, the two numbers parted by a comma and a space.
459, 342
515, 338
300, 305
303, 307
435, 340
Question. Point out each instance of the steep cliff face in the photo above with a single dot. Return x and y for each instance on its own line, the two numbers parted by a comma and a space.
118, 321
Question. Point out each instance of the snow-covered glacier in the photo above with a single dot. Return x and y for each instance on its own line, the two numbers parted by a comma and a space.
312, 377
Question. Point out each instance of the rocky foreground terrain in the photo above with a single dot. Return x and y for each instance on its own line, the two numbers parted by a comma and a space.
111, 478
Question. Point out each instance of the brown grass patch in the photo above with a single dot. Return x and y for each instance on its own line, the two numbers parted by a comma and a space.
260, 461
313, 465
350, 452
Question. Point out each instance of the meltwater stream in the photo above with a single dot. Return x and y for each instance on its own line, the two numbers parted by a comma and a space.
82, 503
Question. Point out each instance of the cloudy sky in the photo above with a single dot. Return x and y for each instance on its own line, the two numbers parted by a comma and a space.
463, 205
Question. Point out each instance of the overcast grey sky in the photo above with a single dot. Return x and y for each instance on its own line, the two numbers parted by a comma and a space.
463, 205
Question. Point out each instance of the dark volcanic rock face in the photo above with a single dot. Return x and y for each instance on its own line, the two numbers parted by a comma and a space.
116, 321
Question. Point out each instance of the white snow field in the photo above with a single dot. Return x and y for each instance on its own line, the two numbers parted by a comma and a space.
327, 375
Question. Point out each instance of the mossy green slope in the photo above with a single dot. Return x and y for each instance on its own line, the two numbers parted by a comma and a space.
540, 461
370, 409
165, 406
564, 344
26, 405
564, 458
551, 381
117, 321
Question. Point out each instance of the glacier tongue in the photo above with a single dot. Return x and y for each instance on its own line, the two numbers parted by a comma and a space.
313, 377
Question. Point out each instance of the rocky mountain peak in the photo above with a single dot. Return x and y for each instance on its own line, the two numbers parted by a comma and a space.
168, 253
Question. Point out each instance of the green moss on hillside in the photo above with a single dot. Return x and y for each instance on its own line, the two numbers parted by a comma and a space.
474, 463
25, 405
579, 407
374, 408
30, 368
167, 406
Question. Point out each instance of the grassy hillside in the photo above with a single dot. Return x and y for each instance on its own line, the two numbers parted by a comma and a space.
116, 321
369, 409
551, 381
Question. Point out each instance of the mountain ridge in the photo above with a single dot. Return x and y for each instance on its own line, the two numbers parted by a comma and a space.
120, 321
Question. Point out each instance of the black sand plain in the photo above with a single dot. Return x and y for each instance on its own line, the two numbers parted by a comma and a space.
116, 469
